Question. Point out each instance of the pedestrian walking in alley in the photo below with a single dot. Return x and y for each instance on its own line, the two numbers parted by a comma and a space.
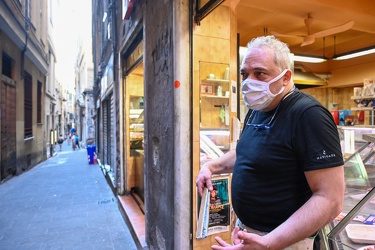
60, 141
61, 203
76, 140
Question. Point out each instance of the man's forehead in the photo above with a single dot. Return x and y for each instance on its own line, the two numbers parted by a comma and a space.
257, 62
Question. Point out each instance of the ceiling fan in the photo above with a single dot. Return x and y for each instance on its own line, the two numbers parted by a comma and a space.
310, 38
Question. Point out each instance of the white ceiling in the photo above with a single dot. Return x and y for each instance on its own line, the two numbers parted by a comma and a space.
260, 17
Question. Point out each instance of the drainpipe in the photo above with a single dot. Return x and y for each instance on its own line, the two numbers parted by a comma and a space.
24, 48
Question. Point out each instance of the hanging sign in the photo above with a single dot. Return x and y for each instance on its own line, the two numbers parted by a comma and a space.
127, 8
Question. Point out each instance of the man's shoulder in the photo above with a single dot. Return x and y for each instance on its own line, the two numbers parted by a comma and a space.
303, 101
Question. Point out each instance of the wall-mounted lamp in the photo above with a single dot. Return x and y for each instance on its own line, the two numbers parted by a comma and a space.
356, 53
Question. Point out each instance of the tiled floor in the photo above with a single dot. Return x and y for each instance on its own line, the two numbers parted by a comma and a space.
136, 218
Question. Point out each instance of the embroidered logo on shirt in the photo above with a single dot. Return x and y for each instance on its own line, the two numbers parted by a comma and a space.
325, 156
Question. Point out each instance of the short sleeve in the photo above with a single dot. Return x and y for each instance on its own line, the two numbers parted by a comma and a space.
317, 140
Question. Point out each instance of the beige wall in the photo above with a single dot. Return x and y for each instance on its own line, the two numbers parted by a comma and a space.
32, 148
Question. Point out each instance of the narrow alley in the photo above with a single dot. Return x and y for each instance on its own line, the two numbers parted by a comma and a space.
62, 203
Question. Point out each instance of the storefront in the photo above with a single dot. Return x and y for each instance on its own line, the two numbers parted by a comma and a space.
178, 105
217, 32
154, 120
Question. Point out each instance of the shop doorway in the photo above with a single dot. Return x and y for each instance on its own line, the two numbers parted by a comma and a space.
135, 109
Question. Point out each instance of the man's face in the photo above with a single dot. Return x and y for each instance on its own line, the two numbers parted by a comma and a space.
259, 64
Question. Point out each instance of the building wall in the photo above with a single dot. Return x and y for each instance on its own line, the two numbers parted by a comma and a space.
84, 89
104, 90
8, 156
28, 51
28, 152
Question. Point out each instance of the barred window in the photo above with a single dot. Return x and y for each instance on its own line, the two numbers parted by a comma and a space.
28, 105
39, 103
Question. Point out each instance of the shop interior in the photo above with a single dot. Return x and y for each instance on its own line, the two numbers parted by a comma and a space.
135, 133
344, 86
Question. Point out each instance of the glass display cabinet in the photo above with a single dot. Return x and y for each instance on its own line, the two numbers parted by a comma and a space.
136, 139
354, 228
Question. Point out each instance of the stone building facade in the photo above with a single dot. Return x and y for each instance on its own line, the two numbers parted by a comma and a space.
141, 58
26, 54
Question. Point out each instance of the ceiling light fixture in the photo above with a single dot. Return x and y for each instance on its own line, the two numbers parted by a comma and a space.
308, 59
354, 54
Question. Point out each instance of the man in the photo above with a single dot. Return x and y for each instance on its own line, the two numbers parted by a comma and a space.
288, 177
76, 141
60, 141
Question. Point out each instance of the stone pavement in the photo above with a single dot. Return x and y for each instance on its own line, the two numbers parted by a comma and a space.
62, 203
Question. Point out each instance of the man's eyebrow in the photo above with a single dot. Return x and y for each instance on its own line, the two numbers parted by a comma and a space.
259, 69
253, 69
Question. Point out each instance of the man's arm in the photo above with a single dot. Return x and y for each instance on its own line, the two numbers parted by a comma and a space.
221, 165
328, 188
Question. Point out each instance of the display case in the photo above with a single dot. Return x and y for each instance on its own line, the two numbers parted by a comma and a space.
136, 128
354, 228
136, 141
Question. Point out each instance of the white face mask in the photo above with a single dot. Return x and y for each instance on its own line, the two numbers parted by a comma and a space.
257, 95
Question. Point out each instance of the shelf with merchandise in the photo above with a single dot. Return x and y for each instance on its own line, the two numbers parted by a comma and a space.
365, 103
363, 109
215, 96
362, 97
208, 80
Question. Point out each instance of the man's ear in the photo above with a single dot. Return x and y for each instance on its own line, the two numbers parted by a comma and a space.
287, 77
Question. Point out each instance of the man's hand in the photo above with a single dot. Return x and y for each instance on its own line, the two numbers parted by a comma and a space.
242, 240
204, 179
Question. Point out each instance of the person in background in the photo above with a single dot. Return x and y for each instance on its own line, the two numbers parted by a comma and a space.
76, 140
74, 145
288, 177
60, 141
